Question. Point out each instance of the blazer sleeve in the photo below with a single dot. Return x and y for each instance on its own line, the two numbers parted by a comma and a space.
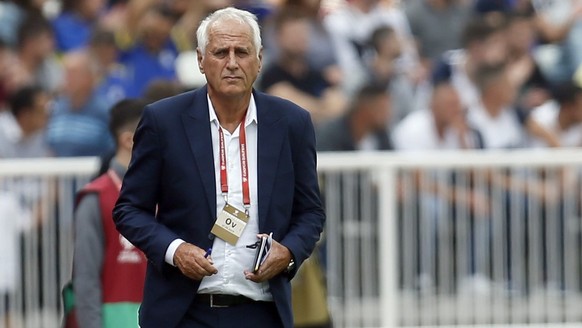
308, 216
135, 211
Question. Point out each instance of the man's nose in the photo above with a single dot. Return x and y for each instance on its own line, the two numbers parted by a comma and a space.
232, 63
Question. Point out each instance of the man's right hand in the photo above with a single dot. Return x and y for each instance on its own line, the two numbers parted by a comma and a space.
191, 261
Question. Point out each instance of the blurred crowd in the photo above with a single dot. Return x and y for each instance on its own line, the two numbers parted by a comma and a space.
394, 75
375, 74
403, 75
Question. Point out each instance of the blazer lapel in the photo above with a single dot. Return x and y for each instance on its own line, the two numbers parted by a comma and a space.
270, 135
196, 124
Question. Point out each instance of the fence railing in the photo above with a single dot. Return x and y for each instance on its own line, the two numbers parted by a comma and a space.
453, 239
412, 239
36, 210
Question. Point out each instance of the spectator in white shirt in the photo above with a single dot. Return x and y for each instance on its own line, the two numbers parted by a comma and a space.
30, 108
561, 116
494, 116
441, 126
484, 43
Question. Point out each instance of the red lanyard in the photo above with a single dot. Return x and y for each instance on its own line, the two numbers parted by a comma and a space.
244, 172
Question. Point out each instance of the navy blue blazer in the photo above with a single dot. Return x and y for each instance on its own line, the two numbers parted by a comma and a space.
172, 169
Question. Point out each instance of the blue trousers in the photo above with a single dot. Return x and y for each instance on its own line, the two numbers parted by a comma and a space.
251, 315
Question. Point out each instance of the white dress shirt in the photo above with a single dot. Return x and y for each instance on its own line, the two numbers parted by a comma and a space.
231, 261
547, 115
417, 131
499, 132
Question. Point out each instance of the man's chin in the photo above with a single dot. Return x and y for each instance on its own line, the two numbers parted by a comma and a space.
233, 91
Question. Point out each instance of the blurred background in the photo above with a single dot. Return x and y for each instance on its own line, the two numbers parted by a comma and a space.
448, 137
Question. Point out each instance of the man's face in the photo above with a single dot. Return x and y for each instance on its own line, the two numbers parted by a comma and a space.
41, 112
43, 44
446, 105
294, 38
230, 62
491, 50
106, 53
520, 35
36, 117
78, 75
155, 30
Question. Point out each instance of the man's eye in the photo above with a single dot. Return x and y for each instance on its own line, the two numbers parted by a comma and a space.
220, 53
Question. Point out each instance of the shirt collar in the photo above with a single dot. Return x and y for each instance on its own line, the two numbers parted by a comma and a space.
251, 111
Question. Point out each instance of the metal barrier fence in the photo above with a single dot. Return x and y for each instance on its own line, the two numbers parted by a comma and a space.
36, 209
426, 239
453, 239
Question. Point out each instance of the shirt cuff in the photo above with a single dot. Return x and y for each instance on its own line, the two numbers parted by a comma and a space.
172, 250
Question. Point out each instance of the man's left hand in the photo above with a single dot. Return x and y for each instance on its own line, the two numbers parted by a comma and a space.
277, 261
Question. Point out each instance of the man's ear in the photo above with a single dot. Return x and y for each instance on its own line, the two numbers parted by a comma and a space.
200, 57
125, 140
260, 59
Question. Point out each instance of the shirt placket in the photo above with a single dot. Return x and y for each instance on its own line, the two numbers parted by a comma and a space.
232, 160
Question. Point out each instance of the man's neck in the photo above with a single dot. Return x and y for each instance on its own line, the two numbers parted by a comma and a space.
25, 130
123, 157
470, 66
492, 106
441, 128
231, 111
79, 99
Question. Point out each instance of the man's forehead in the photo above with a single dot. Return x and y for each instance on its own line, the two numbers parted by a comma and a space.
230, 25
226, 37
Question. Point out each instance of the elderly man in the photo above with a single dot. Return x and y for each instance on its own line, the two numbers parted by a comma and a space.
212, 171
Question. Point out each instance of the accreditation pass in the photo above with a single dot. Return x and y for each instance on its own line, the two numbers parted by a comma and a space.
230, 224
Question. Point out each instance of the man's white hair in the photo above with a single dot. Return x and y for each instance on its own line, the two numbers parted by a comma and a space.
227, 14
